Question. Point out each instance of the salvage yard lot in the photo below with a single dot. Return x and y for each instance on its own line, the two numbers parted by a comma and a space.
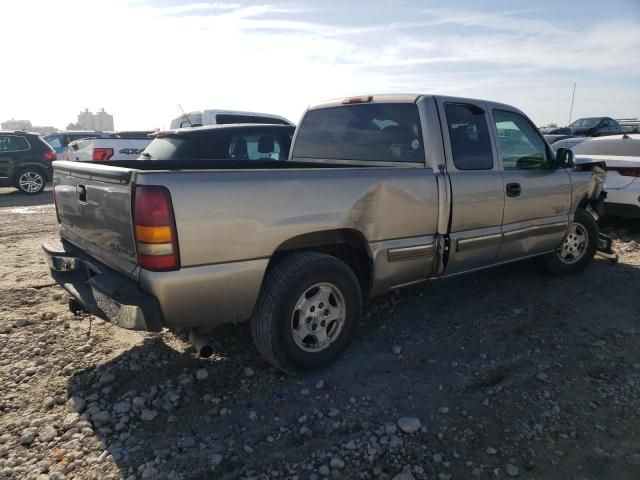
511, 373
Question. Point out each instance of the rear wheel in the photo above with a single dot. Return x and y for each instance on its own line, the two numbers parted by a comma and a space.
578, 247
308, 309
30, 181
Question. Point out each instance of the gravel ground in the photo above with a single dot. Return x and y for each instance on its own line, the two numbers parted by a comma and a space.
499, 374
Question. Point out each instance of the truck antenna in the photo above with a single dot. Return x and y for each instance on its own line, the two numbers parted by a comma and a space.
572, 99
185, 114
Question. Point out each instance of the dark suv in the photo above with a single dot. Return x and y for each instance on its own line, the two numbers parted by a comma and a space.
25, 161
252, 142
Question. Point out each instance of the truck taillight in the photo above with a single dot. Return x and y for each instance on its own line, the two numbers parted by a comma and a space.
155, 229
102, 154
50, 155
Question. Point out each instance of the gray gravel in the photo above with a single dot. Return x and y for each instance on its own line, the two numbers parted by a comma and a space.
507, 373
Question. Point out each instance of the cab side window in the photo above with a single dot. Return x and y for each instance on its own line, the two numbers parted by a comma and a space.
469, 136
522, 148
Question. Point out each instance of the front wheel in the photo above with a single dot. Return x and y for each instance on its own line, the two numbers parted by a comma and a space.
308, 309
578, 247
30, 181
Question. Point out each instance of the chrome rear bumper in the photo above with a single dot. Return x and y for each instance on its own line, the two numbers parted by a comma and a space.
100, 290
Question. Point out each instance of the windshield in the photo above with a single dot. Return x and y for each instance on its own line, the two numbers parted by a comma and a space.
585, 122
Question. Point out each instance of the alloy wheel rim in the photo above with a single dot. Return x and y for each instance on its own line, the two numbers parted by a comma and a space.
574, 245
31, 182
318, 317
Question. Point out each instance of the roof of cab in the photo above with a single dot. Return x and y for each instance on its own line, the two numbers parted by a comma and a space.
381, 98
222, 126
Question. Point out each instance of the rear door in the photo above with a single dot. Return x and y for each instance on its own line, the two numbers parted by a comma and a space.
6, 157
11, 146
476, 184
537, 196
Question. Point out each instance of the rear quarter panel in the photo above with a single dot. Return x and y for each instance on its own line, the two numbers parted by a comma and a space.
226, 216
230, 222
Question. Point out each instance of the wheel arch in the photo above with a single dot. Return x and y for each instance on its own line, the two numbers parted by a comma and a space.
30, 166
349, 245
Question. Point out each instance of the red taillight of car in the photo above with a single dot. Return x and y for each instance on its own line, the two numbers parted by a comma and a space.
102, 154
155, 229
50, 155
626, 172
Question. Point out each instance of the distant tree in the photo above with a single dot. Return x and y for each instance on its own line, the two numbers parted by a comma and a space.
72, 126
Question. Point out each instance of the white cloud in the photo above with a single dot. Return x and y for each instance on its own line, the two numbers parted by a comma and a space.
140, 61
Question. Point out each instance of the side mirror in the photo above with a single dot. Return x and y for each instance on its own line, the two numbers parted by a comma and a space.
565, 158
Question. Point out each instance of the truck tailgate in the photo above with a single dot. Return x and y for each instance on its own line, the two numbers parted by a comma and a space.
94, 206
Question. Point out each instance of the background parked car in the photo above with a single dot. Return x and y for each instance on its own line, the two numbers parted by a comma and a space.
589, 127
220, 117
60, 141
630, 125
621, 153
232, 142
25, 161
126, 145
563, 141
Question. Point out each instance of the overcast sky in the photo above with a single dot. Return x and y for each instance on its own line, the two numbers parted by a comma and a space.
139, 59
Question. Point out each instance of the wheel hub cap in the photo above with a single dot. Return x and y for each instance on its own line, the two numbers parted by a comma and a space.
31, 182
318, 317
575, 244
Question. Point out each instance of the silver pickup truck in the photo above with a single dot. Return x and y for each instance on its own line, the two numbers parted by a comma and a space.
379, 193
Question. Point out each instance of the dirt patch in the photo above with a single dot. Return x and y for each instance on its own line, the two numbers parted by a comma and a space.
503, 373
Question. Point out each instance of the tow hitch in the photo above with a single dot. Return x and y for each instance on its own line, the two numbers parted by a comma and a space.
605, 249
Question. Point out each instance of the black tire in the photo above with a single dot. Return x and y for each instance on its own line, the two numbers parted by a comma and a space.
30, 180
554, 263
273, 319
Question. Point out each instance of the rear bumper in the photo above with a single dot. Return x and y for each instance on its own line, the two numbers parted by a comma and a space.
102, 291
624, 202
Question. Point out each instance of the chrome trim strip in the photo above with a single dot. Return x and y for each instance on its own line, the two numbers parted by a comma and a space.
463, 244
408, 284
535, 230
409, 253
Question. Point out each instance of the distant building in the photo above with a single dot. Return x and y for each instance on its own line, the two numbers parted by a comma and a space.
16, 125
26, 126
94, 121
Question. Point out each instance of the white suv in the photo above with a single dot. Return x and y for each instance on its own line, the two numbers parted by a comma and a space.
216, 117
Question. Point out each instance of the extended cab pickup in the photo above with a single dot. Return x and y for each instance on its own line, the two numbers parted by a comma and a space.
378, 193
117, 146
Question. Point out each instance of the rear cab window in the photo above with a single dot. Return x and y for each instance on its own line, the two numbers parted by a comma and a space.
374, 132
255, 147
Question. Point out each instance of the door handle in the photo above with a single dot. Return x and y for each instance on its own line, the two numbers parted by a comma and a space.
82, 193
513, 189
